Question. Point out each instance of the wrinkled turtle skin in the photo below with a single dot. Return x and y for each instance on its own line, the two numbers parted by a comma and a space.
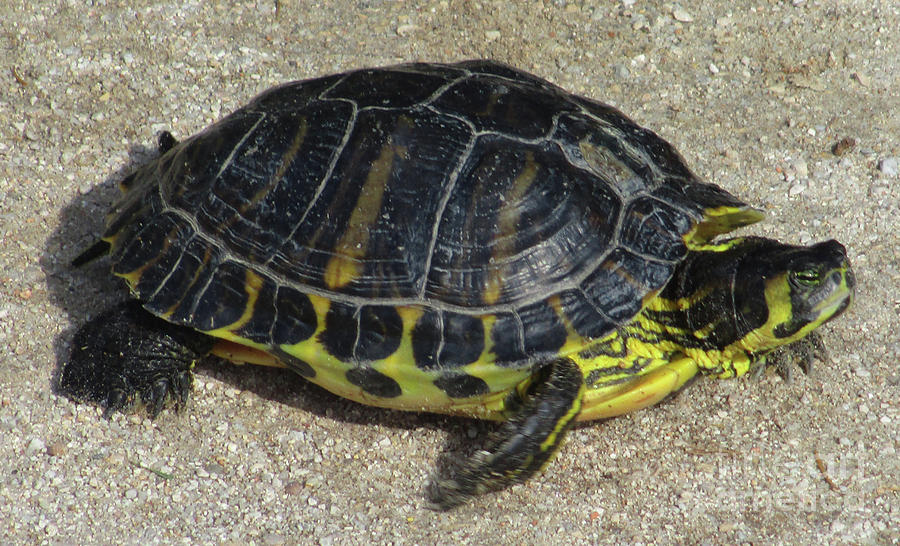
465, 239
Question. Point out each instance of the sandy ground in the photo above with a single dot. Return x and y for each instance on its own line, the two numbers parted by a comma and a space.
754, 94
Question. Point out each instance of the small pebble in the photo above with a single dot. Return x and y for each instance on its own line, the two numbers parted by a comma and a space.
274, 539
888, 166
680, 14
292, 488
843, 146
56, 449
796, 189
34, 446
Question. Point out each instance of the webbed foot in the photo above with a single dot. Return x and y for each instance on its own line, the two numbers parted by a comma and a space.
126, 355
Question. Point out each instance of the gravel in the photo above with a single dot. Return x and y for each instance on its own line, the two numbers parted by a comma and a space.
755, 95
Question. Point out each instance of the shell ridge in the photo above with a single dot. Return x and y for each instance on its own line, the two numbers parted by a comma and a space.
326, 177
452, 180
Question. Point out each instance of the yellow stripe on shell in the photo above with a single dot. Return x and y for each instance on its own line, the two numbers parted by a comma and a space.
352, 246
507, 224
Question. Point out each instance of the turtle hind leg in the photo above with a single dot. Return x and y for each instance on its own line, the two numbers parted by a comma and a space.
524, 443
126, 354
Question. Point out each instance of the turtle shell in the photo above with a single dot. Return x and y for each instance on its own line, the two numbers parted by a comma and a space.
510, 214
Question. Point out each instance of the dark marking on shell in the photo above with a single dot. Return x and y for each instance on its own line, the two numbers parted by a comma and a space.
443, 339
461, 385
506, 335
380, 332
374, 382
295, 318
341, 331
544, 331
224, 300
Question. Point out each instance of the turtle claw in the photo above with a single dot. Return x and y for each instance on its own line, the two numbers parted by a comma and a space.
127, 355
155, 396
802, 353
116, 400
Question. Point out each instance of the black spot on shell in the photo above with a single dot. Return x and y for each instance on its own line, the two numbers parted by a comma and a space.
341, 328
294, 363
426, 340
380, 331
374, 382
463, 339
461, 385
295, 319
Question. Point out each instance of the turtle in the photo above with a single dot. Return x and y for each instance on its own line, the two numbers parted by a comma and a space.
464, 239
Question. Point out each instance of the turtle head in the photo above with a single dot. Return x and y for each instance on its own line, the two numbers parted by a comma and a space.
751, 295
781, 293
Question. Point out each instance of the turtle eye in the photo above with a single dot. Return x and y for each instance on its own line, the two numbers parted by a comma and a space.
806, 277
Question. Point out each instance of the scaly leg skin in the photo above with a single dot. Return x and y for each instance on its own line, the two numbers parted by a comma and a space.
524, 443
801, 352
125, 354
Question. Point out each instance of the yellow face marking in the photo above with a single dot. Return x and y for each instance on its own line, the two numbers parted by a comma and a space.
507, 222
352, 246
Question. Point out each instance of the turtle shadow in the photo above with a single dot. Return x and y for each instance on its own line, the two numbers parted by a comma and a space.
84, 292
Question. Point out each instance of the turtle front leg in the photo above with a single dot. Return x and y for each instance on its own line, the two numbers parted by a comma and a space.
126, 353
524, 443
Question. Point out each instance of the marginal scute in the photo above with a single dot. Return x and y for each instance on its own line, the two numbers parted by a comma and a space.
654, 228
618, 286
584, 316
544, 330
258, 325
133, 254
380, 333
506, 336
443, 339
196, 254
341, 331
225, 298
295, 317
